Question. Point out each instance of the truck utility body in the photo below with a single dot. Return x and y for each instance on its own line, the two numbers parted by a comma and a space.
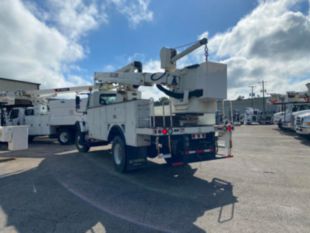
116, 113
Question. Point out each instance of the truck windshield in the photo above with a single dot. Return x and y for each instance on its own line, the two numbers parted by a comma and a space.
14, 114
105, 99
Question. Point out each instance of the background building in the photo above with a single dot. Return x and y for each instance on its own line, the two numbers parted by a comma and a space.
13, 85
240, 105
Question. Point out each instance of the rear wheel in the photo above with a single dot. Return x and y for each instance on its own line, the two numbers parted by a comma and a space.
65, 137
119, 154
127, 158
81, 143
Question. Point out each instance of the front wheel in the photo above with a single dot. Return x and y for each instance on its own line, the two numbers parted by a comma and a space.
65, 137
81, 143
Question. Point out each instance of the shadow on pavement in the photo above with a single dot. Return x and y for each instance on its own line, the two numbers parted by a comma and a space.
82, 193
302, 139
37, 149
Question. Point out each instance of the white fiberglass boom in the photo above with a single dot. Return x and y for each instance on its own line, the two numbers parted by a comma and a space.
29, 97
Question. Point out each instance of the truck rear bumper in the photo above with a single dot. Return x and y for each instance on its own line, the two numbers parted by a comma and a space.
199, 155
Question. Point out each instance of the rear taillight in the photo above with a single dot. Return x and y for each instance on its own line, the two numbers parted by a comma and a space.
164, 131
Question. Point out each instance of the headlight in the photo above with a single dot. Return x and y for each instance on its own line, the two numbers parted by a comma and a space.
307, 123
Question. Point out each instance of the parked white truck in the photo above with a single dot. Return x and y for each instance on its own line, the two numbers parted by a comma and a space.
251, 116
278, 116
44, 116
116, 113
57, 119
302, 121
302, 126
294, 104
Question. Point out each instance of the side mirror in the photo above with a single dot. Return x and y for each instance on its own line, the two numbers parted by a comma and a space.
77, 102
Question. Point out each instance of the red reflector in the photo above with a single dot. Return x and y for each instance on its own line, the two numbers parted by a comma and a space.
200, 151
164, 131
177, 164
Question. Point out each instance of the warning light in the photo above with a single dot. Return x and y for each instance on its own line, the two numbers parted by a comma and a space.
164, 131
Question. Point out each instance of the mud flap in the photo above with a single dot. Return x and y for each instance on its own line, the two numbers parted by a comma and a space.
136, 158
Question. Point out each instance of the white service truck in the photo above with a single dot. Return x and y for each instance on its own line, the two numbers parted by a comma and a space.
278, 116
56, 119
302, 125
294, 104
302, 121
251, 116
116, 113
44, 116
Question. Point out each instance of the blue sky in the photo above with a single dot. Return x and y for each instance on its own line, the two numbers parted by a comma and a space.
62, 43
175, 23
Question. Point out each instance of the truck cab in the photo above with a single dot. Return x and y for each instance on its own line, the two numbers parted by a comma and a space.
290, 114
302, 123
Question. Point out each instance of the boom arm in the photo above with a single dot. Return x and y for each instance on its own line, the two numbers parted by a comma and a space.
194, 88
169, 57
23, 97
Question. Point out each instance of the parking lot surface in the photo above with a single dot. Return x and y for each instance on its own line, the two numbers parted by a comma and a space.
265, 187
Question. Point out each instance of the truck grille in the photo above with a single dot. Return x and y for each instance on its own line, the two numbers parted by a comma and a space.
298, 121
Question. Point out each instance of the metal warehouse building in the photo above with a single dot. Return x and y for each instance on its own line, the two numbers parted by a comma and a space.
13, 85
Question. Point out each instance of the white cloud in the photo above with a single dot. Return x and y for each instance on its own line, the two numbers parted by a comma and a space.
29, 49
271, 43
136, 11
42, 43
151, 66
75, 18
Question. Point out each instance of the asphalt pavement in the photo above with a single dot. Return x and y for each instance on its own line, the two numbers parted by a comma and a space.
265, 187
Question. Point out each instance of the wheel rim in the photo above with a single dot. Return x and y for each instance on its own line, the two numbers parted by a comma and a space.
79, 142
64, 137
117, 154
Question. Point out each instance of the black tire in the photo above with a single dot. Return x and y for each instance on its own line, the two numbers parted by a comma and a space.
81, 143
119, 153
65, 137
30, 139
280, 125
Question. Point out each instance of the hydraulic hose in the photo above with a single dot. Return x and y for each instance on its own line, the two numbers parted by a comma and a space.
195, 93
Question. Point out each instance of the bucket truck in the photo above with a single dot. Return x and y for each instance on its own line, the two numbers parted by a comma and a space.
293, 104
44, 116
251, 116
182, 133
302, 120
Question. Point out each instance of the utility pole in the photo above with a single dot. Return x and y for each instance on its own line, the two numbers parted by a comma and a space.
264, 102
252, 95
231, 112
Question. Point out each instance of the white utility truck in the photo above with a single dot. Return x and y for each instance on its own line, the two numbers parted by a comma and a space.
293, 105
116, 113
251, 116
278, 116
302, 126
302, 121
45, 116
